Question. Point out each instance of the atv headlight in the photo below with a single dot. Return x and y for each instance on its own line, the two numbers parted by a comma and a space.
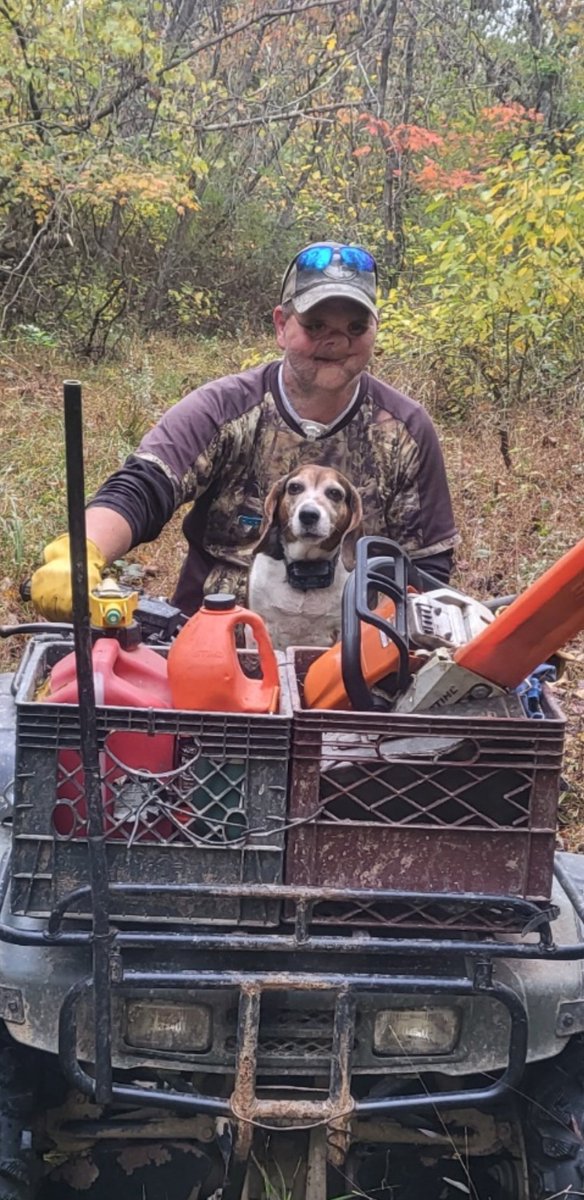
416, 1031
182, 1028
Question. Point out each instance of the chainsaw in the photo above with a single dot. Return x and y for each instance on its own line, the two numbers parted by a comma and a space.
427, 647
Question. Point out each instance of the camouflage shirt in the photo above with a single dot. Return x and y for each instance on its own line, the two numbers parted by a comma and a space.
223, 446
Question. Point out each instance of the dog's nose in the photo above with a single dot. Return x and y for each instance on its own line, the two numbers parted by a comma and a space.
309, 516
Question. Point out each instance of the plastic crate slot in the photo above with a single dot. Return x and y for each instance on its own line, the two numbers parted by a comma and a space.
402, 795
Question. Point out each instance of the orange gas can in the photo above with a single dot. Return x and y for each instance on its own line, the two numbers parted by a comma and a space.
204, 669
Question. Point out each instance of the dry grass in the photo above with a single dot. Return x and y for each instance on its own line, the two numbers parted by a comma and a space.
514, 523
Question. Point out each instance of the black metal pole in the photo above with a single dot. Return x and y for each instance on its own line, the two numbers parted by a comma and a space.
89, 746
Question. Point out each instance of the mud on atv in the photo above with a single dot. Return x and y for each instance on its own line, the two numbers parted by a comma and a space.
309, 953
178, 1020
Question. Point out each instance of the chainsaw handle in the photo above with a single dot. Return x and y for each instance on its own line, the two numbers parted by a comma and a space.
351, 670
393, 583
498, 602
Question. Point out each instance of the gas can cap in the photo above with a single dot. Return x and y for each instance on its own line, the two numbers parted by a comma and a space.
219, 601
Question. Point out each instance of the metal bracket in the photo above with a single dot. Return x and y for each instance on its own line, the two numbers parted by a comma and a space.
570, 1018
11, 1005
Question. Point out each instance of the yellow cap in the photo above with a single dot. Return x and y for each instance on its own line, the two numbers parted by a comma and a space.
111, 605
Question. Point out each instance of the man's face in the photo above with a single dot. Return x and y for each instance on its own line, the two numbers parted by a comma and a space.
327, 347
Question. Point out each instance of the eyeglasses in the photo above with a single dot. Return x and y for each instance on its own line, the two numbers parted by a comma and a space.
318, 258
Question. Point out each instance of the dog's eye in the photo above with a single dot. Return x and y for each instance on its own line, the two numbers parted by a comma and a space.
335, 494
295, 488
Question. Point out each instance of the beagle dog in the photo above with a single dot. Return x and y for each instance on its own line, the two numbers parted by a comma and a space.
313, 518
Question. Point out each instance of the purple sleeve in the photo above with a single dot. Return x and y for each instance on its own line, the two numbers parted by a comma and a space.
189, 439
141, 493
436, 517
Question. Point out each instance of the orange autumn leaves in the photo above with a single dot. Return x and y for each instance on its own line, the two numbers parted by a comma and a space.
448, 162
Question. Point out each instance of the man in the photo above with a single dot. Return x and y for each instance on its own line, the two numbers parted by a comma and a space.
223, 446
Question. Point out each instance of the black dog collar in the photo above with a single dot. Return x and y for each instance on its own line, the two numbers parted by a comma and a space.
317, 573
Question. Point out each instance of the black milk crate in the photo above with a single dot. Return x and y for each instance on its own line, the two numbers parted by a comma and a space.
421, 803
215, 814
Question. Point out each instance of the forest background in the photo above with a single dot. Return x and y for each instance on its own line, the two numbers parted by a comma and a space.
160, 160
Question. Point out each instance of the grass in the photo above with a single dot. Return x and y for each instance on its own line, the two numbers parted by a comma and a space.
513, 523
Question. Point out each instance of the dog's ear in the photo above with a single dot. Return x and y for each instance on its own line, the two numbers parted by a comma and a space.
269, 538
354, 529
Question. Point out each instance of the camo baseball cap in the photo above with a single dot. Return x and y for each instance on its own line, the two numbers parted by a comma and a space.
330, 269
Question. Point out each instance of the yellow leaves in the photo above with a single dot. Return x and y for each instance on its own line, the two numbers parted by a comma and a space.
148, 190
500, 217
331, 42
194, 305
37, 183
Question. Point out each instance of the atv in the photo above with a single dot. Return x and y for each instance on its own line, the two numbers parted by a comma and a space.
309, 954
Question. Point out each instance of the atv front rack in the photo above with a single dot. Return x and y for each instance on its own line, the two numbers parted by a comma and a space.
244, 1103
464, 967
517, 918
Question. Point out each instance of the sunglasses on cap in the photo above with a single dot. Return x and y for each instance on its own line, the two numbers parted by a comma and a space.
330, 269
319, 257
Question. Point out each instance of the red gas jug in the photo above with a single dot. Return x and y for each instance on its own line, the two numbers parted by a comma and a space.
204, 669
135, 678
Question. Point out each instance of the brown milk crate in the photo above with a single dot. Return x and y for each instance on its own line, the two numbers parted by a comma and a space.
422, 803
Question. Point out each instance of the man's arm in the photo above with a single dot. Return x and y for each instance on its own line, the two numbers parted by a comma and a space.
145, 497
109, 531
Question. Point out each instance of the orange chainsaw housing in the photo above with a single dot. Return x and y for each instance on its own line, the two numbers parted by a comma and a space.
323, 685
540, 621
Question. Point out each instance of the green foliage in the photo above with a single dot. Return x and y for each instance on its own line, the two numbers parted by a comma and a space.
495, 295
159, 163
33, 336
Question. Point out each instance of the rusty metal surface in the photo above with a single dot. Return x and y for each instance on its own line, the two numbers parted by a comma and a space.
246, 1105
243, 1098
309, 910
468, 1131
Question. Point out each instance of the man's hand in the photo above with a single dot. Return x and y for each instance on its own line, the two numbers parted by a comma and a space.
51, 590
